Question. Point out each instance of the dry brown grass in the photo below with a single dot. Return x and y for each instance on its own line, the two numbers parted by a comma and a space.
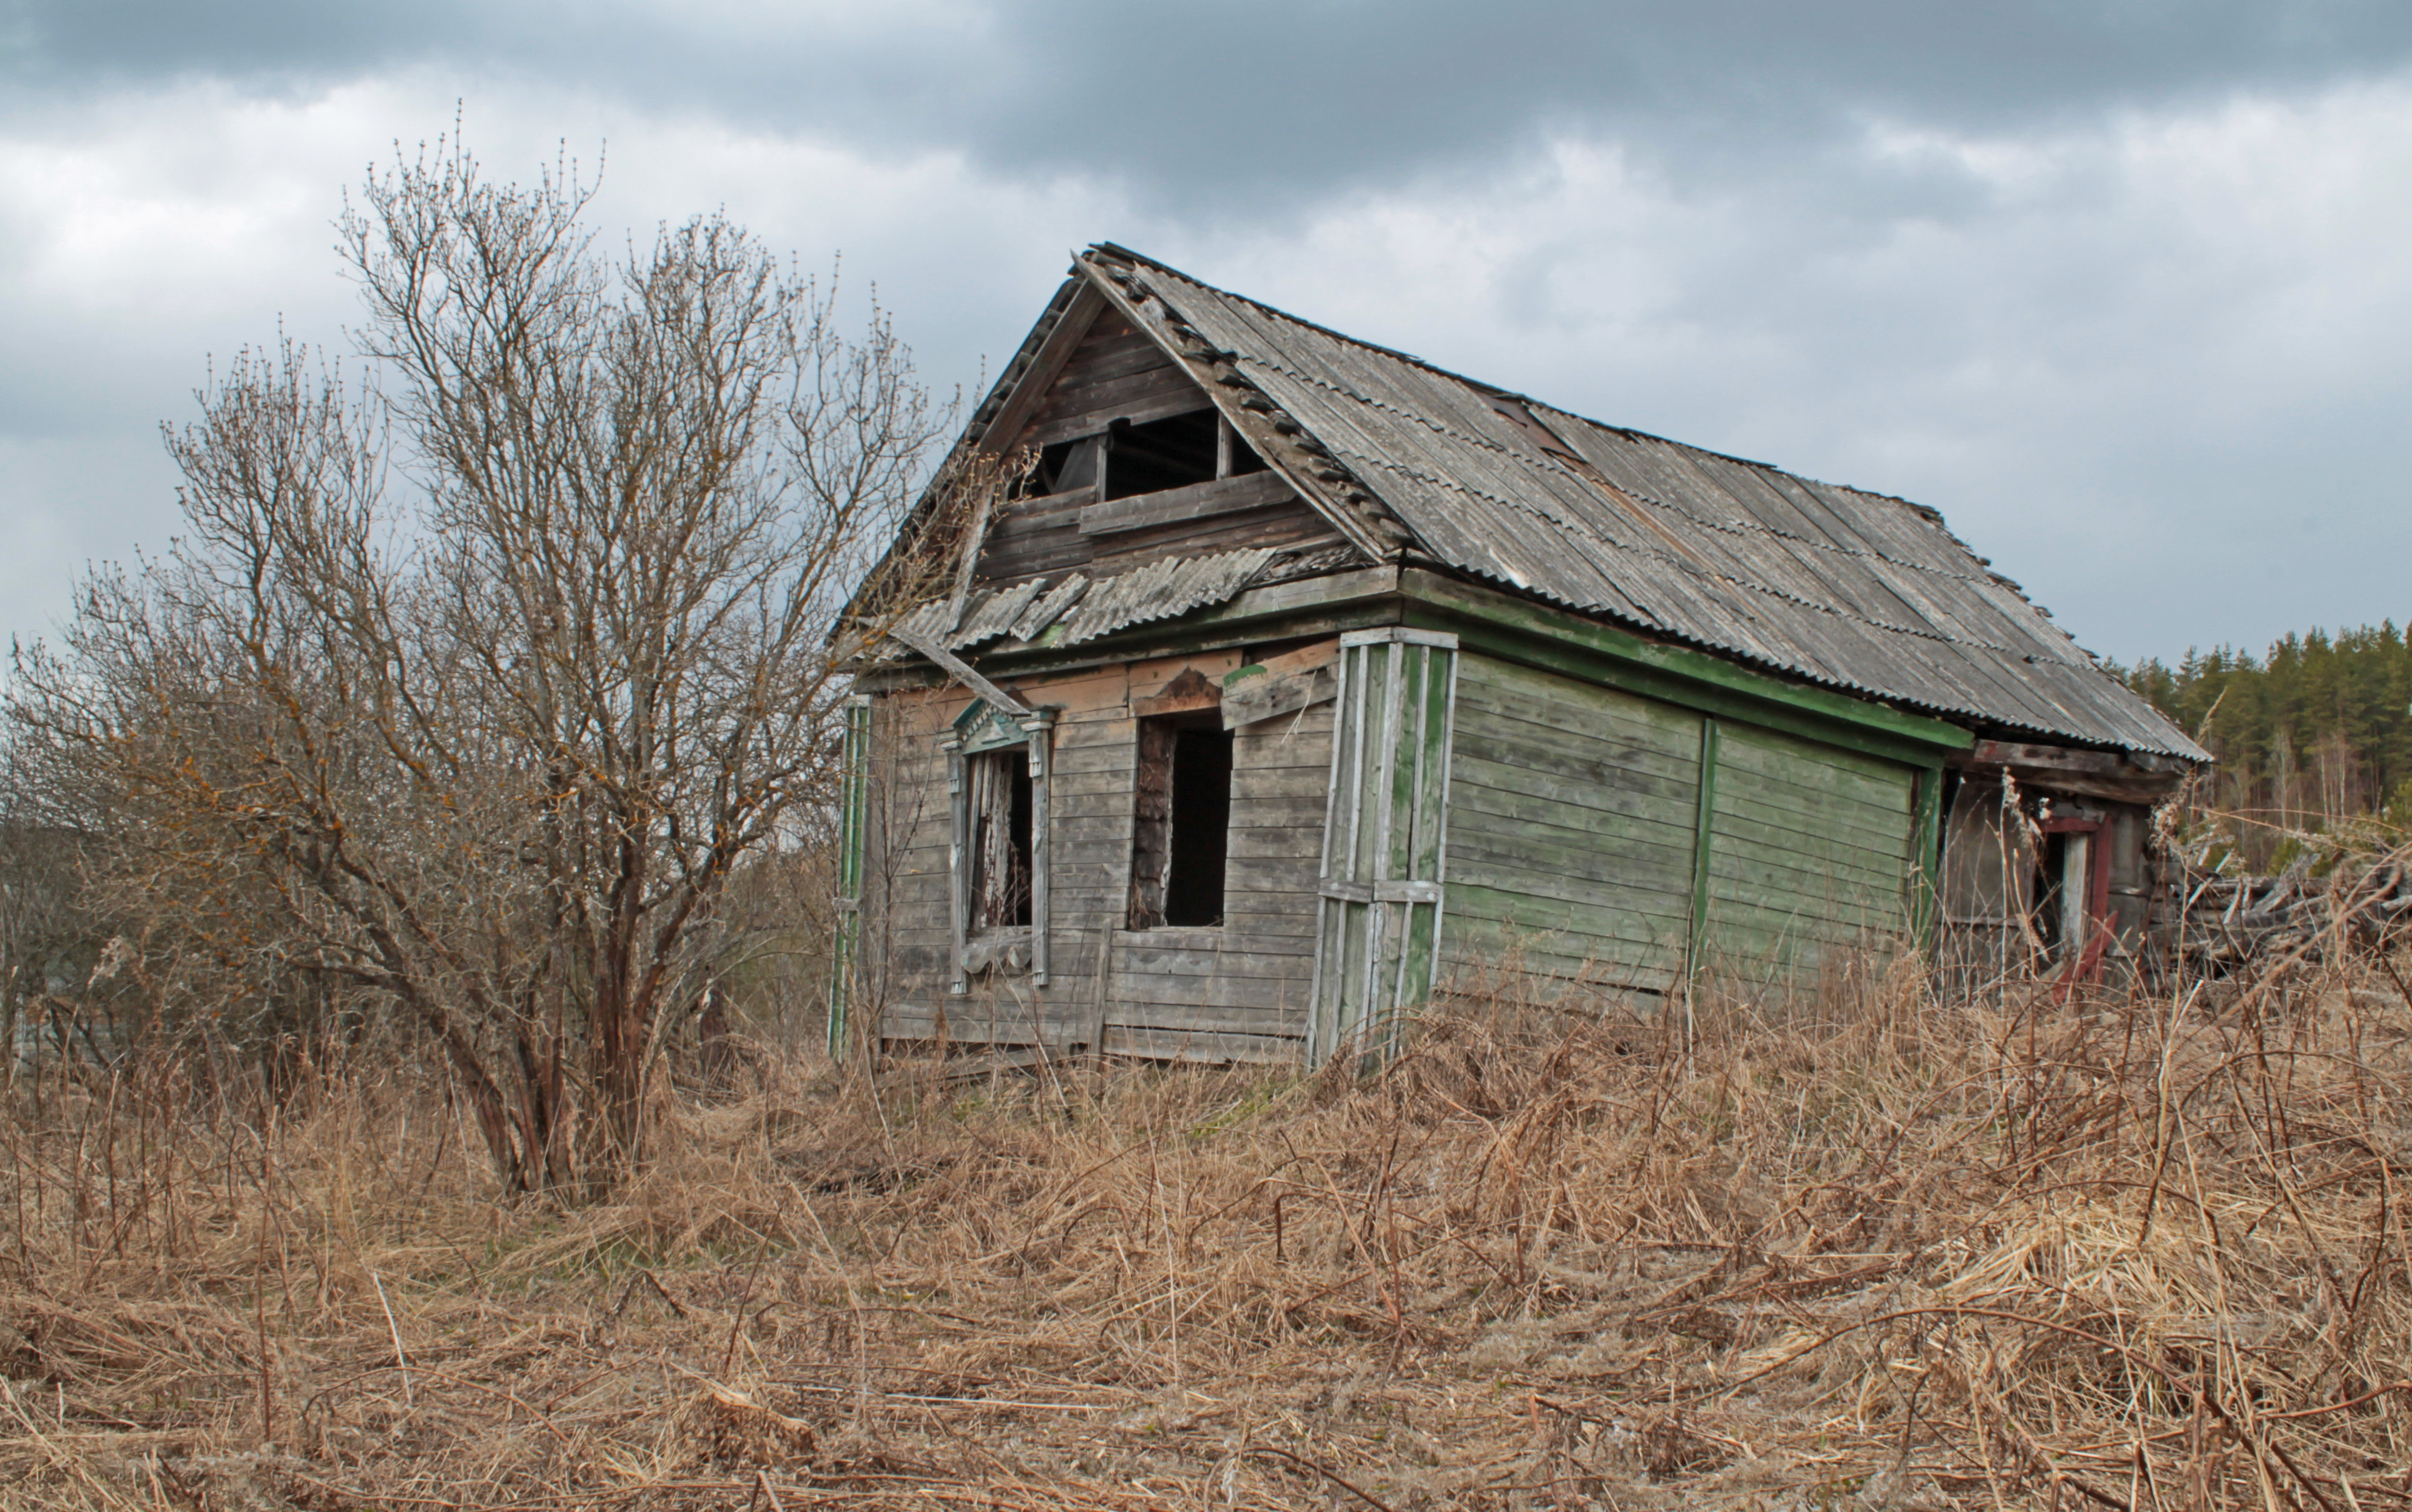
1889, 1255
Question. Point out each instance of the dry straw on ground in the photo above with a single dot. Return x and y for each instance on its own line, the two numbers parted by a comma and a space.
2125, 1253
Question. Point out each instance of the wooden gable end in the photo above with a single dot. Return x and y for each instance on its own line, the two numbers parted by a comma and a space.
1133, 465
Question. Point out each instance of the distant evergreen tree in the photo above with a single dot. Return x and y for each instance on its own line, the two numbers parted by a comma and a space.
2315, 732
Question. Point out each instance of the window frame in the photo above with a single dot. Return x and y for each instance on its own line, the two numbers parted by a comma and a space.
979, 730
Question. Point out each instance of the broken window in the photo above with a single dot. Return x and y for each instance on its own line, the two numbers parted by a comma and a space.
1069, 465
1172, 453
1183, 835
996, 784
998, 798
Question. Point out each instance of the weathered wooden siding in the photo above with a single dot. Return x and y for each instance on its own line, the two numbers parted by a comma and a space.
1810, 850
1575, 821
1988, 890
1240, 992
1235, 993
1117, 373
1572, 813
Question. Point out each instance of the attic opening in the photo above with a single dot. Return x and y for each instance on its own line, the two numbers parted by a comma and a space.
1148, 457
998, 783
1182, 839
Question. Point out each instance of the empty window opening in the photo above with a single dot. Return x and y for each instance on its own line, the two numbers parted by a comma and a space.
1183, 836
1197, 447
999, 794
1069, 465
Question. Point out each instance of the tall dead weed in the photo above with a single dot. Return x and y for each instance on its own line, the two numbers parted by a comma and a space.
2132, 1253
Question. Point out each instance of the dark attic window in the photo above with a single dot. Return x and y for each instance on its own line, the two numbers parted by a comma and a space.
999, 796
1183, 836
1067, 465
1173, 453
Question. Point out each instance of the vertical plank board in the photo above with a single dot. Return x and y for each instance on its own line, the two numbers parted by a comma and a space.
1380, 894
959, 869
853, 821
1041, 728
1703, 832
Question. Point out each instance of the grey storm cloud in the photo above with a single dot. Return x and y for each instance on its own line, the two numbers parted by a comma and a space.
2111, 282
1196, 102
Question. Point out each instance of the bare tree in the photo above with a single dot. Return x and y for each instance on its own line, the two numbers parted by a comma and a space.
481, 672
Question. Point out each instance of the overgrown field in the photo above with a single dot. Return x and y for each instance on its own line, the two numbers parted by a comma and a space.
1875, 1252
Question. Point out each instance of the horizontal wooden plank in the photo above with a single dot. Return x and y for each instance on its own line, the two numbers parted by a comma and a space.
1270, 698
1114, 358
1204, 1049
1830, 853
1502, 900
1750, 739
1518, 793
1475, 955
1237, 1017
1044, 509
1749, 901
1778, 889
1117, 756
1275, 852
1490, 682
1251, 782
1801, 785
1573, 855
1113, 395
1770, 756
1776, 808
1587, 755
1284, 810
1196, 500
1273, 870
1284, 527
1757, 890
1188, 402
1277, 957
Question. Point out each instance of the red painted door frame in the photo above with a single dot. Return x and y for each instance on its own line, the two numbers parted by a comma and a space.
2088, 964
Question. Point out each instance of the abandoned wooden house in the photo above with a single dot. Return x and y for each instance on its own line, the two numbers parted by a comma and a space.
1299, 681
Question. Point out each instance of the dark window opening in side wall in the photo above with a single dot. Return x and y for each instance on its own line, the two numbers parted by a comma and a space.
1182, 840
1173, 453
1000, 807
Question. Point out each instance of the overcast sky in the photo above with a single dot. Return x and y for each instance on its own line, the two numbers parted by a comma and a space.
2123, 287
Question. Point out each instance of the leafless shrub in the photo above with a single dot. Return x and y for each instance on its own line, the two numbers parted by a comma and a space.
483, 673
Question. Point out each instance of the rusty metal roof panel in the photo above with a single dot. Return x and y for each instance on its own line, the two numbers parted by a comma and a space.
1861, 591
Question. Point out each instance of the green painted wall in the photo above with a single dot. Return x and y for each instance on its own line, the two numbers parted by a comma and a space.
1809, 849
1571, 815
1574, 825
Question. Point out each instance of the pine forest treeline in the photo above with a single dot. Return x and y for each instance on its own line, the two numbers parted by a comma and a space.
2310, 736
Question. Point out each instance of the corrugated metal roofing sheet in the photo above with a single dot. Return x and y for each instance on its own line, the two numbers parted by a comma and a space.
1087, 607
1160, 591
1857, 591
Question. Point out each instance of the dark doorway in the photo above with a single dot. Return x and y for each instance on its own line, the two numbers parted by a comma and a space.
1183, 837
1201, 827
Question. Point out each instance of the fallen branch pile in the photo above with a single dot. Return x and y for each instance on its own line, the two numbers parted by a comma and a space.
2231, 920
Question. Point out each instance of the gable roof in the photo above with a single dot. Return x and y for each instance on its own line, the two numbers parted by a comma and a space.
1859, 591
